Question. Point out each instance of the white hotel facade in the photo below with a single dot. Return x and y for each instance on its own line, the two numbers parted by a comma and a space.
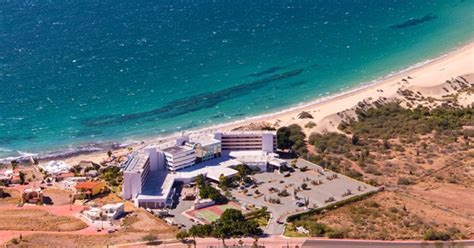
150, 173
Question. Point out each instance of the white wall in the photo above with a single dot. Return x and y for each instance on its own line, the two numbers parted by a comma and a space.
180, 141
131, 186
161, 161
153, 154
267, 142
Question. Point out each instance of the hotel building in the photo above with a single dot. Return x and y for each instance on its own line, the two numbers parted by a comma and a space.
136, 172
149, 174
247, 141
179, 157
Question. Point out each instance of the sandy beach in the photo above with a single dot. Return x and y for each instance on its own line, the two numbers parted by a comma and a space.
429, 76
429, 79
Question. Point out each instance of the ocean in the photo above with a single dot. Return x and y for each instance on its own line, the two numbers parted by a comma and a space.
75, 74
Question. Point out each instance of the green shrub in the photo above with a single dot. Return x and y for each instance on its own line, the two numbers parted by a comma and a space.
434, 235
391, 120
310, 125
337, 233
15, 241
330, 142
292, 138
305, 115
315, 229
404, 181
149, 238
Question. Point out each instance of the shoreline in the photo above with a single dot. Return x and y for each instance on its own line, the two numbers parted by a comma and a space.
343, 97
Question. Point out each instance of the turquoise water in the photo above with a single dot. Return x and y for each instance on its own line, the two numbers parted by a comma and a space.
81, 72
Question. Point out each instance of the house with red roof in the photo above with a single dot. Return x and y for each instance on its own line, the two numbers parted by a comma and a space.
63, 176
89, 189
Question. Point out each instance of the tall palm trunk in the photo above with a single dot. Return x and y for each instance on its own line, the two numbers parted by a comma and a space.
223, 242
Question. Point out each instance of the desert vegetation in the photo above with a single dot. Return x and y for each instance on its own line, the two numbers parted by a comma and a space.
422, 156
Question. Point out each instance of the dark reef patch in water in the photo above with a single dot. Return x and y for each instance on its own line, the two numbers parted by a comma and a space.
191, 104
218, 116
267, 71
414, 22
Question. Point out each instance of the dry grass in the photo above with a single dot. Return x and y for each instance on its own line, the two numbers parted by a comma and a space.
134, 227
391, 215
38, 220
67, 240
143, 221
107, 198
58, 196
12, 197
439, 194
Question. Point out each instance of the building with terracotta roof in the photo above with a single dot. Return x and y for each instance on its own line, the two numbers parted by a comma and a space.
63, 176
89, 189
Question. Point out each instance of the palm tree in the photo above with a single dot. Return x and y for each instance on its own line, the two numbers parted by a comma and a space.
14, 164
70, 201
101, 215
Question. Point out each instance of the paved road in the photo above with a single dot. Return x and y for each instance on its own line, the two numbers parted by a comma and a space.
179, 217
280, 241
381, 244
273, 228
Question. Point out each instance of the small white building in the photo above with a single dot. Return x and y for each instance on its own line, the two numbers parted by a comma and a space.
70, 183
92, 173
6, 176
7, 173
113, 211
202, 203
107, 212
55, 167
92, 214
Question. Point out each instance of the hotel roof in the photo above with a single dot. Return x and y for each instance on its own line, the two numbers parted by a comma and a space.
159, 185
176, 149
248, 132
205, 140
136, 162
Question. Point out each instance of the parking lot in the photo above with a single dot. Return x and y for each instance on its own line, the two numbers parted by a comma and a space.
298, 191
